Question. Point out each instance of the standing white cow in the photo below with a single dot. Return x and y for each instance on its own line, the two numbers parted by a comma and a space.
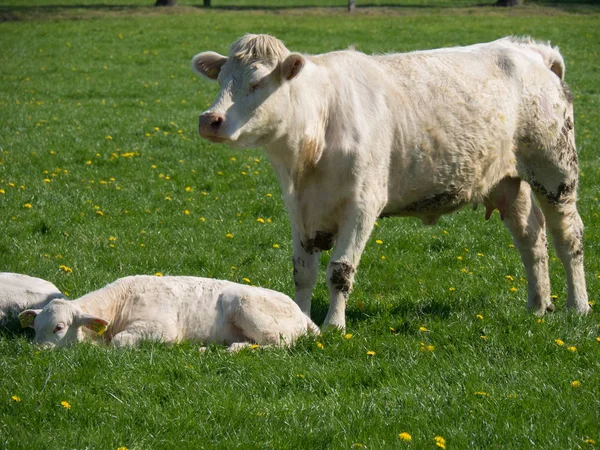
19, 292
172, 309
355, 137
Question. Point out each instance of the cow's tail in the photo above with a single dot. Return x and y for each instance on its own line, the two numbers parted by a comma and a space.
553, 60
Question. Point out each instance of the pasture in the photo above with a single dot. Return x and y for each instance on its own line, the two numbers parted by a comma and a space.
102, 175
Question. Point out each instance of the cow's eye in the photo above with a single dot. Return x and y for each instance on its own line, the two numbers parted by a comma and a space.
254, 86
58, 327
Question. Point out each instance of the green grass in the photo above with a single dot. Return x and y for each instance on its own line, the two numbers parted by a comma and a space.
106, 109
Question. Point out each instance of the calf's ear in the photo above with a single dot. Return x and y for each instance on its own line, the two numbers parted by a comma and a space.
28, 316
208, 64
291, 66
94, 323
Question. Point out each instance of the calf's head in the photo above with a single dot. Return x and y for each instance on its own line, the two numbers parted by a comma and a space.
61, 323
251, 107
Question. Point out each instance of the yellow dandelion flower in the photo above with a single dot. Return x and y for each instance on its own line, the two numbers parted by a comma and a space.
275, 245
2, 191
379, 241
481, 394
513, 289
65, 269
572, 348
348, 336
122, 448
202, 219
46, 180
65, 404
559, 342
510, 278
598, 339
247, 280
112, 238
269, 220
229, 235
484, 337
405, 436
575, 384
27, 205
16, 398
271, 195
422, 329
260, 220
480, 254
320, 345
158, 274
167, 198
186, 212
254, 346
479, 316
188, 189
459, 258
382, 257
370, 353
108, 138
440, 441
452, 289
590, 441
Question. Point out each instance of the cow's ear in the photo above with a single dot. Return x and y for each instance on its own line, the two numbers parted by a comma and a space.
291, 66
208, 64
27, 317
94, 323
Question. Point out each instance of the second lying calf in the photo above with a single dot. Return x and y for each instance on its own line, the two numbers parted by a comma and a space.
172, 309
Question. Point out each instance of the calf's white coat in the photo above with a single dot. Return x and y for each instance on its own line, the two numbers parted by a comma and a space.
172, 309
19, 292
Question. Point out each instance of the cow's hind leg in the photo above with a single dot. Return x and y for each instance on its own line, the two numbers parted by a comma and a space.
553, 174
268, 320
566, 229
526, 224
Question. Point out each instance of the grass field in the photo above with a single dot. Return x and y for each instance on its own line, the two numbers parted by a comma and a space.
102, 175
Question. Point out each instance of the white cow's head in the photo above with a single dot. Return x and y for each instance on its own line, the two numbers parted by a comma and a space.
60, 323
251, 108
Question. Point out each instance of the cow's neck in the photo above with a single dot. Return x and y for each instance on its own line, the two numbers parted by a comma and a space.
297, 152
105, 303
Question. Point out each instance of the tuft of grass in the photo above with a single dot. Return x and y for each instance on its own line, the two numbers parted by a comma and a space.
98, 121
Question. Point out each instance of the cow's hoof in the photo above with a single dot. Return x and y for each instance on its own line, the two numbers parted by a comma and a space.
333, 326
550, 308
582, 309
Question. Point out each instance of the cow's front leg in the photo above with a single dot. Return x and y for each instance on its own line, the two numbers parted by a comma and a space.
306, 265
352, 238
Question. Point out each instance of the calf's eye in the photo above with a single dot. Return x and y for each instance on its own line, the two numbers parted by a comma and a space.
58, 328
254, 87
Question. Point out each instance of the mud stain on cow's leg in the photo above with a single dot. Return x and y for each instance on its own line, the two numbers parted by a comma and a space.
341, 276
322, 241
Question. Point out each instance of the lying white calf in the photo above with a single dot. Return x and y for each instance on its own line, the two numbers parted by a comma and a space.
172, 309
19, 292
